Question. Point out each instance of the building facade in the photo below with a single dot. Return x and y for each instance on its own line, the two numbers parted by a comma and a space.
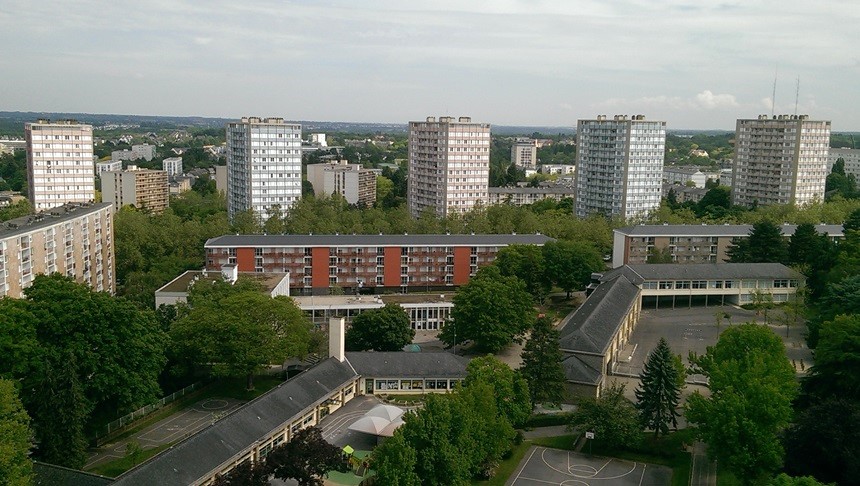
851, 157
75, 240
780, 160
683, 175
59, 163
353, 182
108, 167
524, 153
449, 165
142, 188
689, 243
264, 165
377, 262
172, 166
619, 166
521, 196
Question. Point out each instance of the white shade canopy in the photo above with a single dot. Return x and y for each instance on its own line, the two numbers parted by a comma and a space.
389, 429
370, 425
388, 412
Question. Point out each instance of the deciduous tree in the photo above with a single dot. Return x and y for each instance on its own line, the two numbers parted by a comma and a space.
394, 461
824, 441
305, 458
525, 262
836, 372
491, 310
570, 264
752, 386
16, 469
611, 417
542, 368
385, 329
509, 387
659, 389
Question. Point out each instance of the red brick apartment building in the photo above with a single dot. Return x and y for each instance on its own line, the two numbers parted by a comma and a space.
378, 263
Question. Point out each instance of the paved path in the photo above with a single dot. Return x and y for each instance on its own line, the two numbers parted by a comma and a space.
551, 431
173, 428
703, 472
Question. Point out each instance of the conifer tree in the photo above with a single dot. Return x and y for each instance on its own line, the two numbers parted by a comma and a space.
660, 389
542, 364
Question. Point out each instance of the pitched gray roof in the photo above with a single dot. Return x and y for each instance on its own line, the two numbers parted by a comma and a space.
578, 371
198, 455
715, 229
590, 328
408, 365
52, 475
375, 240
639, 273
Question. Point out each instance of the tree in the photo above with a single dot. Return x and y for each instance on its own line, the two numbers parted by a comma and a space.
764, 244
570, 264
526, 263
659, 389
305, 458
394, 461
786, 480
510, 388
752, 385
542, 368
717, 197
241, 333
245, 474
491, 310
836, 372
431, 432
384, 329
825, 441
16, 469
659, 255
611, 417
852, 223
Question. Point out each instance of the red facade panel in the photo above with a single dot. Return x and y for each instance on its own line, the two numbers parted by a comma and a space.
461, 265
245, 259
392, 266
319, 266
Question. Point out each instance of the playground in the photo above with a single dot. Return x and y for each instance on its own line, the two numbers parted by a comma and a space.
543, 466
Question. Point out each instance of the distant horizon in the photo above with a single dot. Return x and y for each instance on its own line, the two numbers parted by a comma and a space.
404, 124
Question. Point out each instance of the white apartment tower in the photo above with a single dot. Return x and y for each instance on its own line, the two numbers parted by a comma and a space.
524, 153
59, 163
449, 165
780, 160
619, 166
173, 167
264, 165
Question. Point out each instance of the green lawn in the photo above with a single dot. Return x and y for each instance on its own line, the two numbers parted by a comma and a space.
507, 467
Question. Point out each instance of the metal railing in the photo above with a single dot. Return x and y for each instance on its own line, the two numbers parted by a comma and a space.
145, 410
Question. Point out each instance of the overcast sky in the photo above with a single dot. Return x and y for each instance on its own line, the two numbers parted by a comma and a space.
694, 63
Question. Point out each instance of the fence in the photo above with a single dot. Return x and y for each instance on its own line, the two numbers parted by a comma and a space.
145, 410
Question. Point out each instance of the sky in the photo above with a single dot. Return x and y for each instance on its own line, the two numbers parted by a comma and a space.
695, 64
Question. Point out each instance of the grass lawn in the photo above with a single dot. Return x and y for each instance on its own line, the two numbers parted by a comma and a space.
507, 466
115, 468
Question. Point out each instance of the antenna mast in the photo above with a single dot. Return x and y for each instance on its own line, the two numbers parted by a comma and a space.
796, 95
773, 97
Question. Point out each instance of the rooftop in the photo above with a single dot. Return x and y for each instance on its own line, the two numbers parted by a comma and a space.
701, 271
230, 241
183, 282
715, 229
47, 218
373, 301
590, 329
554, 189
408, 365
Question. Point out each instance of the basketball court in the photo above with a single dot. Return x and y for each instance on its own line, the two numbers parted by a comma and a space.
543, 466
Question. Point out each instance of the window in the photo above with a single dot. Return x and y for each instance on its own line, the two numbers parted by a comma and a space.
780, 284
665, 285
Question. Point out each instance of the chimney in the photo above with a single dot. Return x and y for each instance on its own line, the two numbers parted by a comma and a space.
336, 330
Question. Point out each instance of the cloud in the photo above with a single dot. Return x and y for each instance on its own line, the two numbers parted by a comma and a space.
708, 100
202, 41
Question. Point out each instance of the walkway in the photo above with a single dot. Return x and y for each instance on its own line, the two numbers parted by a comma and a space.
702, 472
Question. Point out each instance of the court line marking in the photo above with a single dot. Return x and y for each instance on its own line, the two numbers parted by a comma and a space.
525, 464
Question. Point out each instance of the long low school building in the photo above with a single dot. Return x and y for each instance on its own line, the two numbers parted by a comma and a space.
593, 335
253, 430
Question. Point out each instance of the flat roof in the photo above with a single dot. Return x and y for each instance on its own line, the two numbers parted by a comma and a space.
642, 272
182, 283
340, 301
533, 190
48, 218
715, 229
231, 241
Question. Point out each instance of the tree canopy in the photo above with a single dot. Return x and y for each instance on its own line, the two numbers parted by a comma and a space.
384, 329
239, 333
570, 264
509, 387
611, 417
836, 372
765, 244
305, 458
752, 386
525, 262
490, 310
15, 438
824, 441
